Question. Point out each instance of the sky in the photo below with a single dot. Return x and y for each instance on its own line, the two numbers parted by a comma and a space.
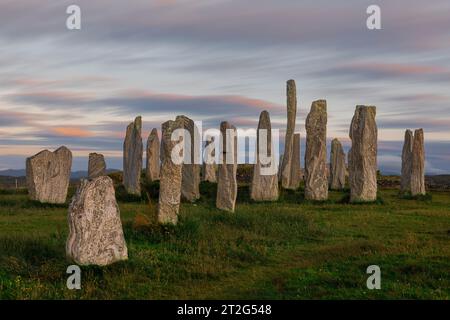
216, 60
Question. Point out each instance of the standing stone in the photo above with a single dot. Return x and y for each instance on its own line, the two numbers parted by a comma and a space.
296, 170
405, 182
170, 176
337, 166
209, 165
316, 181
191, 171
96, 166
132, 157
287, 165
153, 147
264, 185
227, 181
95, 230
363, 155
418, 164
48, 175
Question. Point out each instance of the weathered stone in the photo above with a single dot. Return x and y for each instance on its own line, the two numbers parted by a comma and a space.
264, 185
363, 155
316, 182
209, 165
48, 175
405, 182
96, 166
287, 166
170, 176
153, 148
95, 230
132, 157
191, 170
227, 181
418, 164
296, 174
337, 166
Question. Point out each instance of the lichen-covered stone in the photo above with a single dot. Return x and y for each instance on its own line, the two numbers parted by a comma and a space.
316, 182
418, 164
264, 185
227, 181
95, 229
96, 166
337, 166
191, 170
287, 166
170, 176
48, 175
132, 157
153, 158
363, 155
405, 182
209, 165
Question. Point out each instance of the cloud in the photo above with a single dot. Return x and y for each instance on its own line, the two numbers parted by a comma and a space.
71, 132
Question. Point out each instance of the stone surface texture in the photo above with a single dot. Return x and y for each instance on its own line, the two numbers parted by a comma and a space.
153, 159
338, 169
96, 166
132, 157
48, 175
95, 229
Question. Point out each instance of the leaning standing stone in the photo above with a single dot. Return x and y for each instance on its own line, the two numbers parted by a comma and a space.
405, 182
48, 175
153, 147
264, 185
170, 176
96, 166
287, 166
227, 182
95, 230
132, 157
209, 165
191, 171
418, 164
363, 155
316, 181
337, 166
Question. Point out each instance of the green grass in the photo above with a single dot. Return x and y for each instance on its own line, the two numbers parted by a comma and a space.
290, 249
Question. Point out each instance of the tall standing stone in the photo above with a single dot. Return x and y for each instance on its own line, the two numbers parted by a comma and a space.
287, 165
316, 181
209, 165
191, 170
264, 185
363, 155
296, 170
95, 229
96, 166
153, 148
405, 182
337, 166
132, 157
170, 176
418, 164
48, 175
227, 181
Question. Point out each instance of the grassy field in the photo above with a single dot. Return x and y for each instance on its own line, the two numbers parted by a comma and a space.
290, 249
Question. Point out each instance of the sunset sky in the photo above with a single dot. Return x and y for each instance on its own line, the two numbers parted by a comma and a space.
216, 60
